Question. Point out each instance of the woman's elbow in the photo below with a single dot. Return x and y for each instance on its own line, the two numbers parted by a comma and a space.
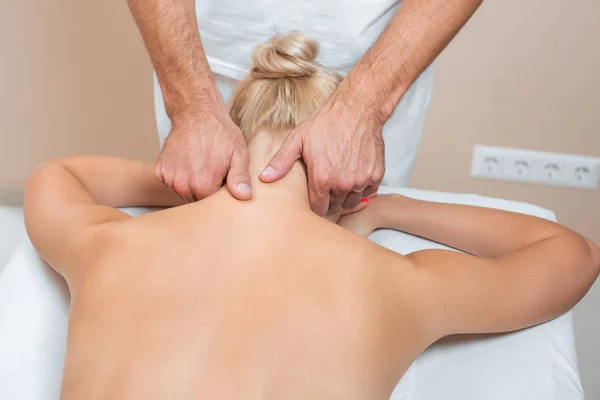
40, 176
594, 255
578, 258
47, 171
585, 260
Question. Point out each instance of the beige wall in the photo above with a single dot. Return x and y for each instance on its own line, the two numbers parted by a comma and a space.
74, 78
523, 74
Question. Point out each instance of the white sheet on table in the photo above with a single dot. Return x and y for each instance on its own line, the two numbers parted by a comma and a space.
12, 232
536, 363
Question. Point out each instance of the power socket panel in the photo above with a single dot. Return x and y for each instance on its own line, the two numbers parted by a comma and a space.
518, 165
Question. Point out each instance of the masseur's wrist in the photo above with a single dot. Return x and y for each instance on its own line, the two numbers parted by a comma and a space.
196, 109
192, 99
373, 93
359, 102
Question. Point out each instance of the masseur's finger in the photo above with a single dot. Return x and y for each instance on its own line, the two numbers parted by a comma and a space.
370, 191
181, 186
203, 184
374, 182
238, 178
361, 206
167, 179
158, 171
319, 201
283, 161
336, 199
353, 200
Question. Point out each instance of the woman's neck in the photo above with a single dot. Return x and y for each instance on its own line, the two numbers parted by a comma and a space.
292, 188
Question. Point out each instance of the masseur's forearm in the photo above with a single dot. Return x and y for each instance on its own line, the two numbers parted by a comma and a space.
170, 32
415, 36
484, 232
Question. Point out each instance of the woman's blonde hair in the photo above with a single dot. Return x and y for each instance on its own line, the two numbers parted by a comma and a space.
284, 87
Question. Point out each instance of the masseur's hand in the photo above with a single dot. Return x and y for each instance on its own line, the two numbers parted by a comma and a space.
201, 151
342, 147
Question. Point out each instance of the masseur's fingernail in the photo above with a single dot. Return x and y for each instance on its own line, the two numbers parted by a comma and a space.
269, 171
365, 200
243, 188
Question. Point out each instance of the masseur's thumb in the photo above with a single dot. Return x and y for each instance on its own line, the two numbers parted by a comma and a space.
283, 161
238, 178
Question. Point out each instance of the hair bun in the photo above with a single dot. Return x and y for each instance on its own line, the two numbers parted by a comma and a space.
285, 56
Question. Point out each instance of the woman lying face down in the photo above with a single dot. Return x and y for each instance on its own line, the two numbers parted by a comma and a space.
263, 299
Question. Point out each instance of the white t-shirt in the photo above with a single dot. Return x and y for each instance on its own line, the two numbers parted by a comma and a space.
345, 29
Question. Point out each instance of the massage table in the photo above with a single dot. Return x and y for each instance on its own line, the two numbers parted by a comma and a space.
538, 363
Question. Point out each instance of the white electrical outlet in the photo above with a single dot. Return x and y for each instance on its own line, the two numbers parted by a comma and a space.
535, 167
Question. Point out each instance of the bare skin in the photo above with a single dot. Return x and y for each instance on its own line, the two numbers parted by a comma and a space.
341, 142
263, 299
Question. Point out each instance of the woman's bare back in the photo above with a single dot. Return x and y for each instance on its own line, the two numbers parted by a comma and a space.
223, 299
261, 299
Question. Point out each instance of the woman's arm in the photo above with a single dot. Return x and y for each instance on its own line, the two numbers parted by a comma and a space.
108, 181
65, 199
521, 270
